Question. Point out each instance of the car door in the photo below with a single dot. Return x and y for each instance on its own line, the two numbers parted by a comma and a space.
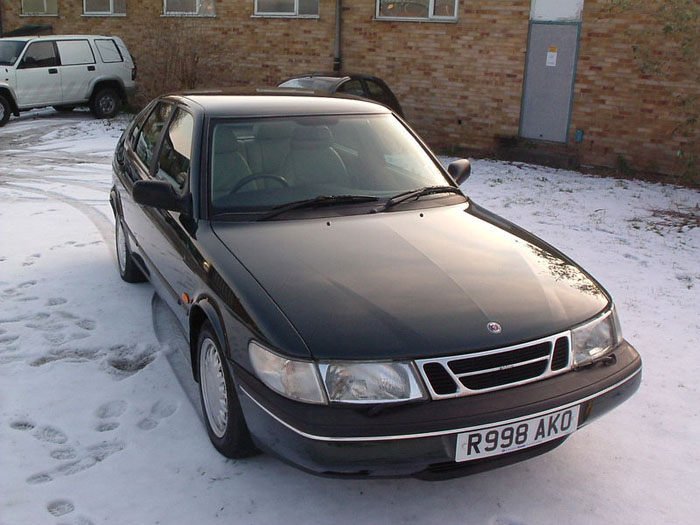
174, 247
138, 161
38, 76
77, 69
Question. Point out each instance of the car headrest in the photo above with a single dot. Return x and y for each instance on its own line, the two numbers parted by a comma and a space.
225, 140
312, 137
273, 130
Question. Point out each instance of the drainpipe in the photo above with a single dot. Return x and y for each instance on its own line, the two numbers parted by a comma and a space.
337, 57
1, 17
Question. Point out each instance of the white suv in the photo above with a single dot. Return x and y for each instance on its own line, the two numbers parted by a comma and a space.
64, 72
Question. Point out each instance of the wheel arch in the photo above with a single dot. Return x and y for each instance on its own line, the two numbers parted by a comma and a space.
108, 83
201, 311
7, 94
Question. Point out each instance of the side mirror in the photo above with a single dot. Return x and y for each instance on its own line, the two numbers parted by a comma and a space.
160, 194
460, 170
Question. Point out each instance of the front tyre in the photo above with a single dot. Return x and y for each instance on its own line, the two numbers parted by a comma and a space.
106, 103
128, 270
4, 111
222, 411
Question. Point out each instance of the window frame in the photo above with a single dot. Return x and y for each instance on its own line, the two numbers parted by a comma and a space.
40, 13
429, 18
189, 13
266, 14
102, 13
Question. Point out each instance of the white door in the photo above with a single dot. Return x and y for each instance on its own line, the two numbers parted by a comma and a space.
77, 69
38, 76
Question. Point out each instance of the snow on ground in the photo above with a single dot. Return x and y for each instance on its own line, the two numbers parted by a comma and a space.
99, 423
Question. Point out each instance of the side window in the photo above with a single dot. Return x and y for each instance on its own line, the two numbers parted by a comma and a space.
377, 92
176, 152
75, 52
40, 54
108, 50
352, 87
148, 137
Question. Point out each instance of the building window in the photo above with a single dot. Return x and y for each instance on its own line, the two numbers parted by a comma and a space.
189, 8
39, 7
417, 9
104, 7
300, 8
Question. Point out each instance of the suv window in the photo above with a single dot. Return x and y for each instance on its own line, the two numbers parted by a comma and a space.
176, 151
377, 92
75, 52
352, 87
108, 50
148, 138
40, 54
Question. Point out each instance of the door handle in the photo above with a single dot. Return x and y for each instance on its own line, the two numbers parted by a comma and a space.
91, 68
53, 71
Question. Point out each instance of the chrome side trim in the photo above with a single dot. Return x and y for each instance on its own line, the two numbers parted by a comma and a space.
361, 439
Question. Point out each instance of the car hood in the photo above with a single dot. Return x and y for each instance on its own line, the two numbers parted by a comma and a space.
413, 284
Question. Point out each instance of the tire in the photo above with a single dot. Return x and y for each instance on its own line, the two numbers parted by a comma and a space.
5, 111
64, 109
223, 416
128, 270
106, 103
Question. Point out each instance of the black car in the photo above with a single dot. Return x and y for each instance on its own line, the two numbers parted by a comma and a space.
348, 308
366, 86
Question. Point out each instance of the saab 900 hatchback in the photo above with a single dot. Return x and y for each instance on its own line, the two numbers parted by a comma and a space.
348, 308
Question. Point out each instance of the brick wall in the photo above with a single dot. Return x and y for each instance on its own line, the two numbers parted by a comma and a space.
460, 83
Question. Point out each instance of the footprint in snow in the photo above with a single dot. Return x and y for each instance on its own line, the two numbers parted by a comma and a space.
108, 411
160, 410
61, 507
55, 301
87, 458
45, 433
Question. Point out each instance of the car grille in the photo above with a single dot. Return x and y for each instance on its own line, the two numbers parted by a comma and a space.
489, 370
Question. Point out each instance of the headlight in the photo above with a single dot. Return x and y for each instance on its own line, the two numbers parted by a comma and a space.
596, 339
370, 382
293, 379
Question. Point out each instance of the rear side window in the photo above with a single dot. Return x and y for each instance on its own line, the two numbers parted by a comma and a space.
108, 50
75, 52
352, 87
378, 93
176, 151
150, 133
40, 54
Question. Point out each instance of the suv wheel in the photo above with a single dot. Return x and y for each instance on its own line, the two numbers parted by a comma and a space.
128, 270
222, 412
106, 103
4, 111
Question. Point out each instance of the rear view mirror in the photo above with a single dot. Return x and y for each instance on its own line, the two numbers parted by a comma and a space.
460, 170
160, 194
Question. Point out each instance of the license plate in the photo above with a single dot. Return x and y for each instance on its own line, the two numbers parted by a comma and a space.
501, 439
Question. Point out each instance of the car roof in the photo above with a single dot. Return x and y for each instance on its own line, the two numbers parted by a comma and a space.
269, 102
52, 37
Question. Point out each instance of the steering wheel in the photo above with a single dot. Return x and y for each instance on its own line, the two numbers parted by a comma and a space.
250, 178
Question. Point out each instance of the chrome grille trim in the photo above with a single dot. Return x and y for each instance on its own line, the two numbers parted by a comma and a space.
462, 390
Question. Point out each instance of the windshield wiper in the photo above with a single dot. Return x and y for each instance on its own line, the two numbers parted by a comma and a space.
416, 194
319, 201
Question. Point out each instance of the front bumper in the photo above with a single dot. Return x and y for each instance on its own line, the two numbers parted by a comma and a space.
419, 439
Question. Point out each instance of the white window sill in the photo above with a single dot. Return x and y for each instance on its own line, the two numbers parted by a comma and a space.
54, 15
101, 15
185, 15
282, 15
423, 20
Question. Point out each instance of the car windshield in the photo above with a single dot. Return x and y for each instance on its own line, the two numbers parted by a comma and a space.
258, 165
10, 51
316, 83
